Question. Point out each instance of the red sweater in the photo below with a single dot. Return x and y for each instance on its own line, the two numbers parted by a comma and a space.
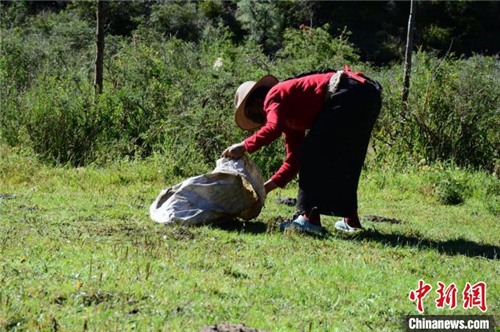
291, 108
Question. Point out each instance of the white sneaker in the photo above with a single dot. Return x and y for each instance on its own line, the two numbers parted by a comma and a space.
301, 224
341, 225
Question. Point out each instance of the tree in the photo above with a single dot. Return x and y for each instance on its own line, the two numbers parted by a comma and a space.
99, 47
408, 53
263, 21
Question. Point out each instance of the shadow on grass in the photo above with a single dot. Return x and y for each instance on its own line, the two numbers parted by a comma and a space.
241, 226
450, 247
258, 227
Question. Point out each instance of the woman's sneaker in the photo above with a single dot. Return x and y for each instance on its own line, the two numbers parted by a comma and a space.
301, 224
342, 225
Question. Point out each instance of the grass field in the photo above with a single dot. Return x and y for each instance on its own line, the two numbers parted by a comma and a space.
79, 252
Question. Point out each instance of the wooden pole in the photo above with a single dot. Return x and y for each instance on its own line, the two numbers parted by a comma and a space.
408, 53
99, 48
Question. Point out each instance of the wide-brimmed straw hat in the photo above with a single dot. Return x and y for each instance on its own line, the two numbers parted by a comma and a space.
241, 97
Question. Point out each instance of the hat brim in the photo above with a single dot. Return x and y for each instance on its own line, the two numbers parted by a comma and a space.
241, 119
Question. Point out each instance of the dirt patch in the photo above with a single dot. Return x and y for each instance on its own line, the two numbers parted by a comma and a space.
94, 298
8, 196
229, 328
287, 201
60, 300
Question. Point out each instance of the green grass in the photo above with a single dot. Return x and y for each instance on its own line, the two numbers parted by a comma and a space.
79, 252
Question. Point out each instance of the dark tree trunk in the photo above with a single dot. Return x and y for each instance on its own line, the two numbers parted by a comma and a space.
408, 53
100, 47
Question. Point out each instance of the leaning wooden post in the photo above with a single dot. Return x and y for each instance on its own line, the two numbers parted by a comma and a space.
99, 49
408, 53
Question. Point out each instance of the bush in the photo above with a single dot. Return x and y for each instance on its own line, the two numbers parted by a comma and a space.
453, 111
180, 19
159, 95
493, 206
450, 192
59, 121
309, 49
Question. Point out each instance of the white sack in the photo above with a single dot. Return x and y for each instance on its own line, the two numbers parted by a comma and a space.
235, 188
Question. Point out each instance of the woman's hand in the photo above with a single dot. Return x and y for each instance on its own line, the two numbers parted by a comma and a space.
235, 151
270, 185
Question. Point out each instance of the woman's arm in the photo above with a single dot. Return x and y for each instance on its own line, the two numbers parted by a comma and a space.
291, 165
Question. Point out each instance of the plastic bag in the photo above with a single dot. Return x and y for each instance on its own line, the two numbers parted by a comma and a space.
235, 188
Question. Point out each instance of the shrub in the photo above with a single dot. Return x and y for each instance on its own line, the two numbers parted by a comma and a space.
453, 111
493, 205
450, 192
309, 49
180, 19
59, 121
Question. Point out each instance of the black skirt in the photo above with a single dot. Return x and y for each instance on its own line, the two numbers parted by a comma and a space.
334, 150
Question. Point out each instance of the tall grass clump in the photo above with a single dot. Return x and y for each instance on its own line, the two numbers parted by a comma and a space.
453, 112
